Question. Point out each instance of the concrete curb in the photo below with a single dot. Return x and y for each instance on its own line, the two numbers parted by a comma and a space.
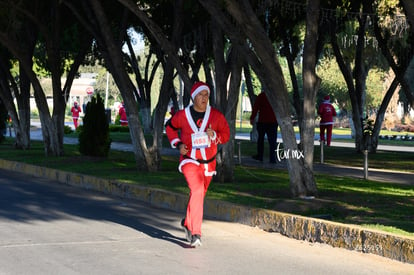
298, 227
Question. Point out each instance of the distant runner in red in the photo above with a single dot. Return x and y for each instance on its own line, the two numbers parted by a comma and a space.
75, 113
326, 112
196, 131
122, 115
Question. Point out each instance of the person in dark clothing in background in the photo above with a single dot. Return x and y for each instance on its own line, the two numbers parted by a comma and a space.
266, 125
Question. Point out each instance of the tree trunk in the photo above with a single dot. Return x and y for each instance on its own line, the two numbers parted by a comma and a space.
168, 47
114, 59
409, 13
144, 157
160, 110
161, 39
167, 87
221, 74
297, 104
224, 168
21, 116
311, 83
402, 69
226, 162
23, 102
252, 98
381, 114
21, 91
144, 85
50, 135
49, 132
266, 66
348, 76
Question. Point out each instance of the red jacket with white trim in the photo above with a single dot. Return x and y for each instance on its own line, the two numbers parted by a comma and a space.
327, 112
181, 127
75, 111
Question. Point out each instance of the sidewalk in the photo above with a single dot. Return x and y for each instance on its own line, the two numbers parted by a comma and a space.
381, 175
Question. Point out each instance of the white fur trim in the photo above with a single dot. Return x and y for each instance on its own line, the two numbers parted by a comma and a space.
174, 141
214, 135
209, 174
206, 172
185, 161
194, 127
199, 89
326, 123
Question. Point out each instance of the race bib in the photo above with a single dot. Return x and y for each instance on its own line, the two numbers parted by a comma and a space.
200, 140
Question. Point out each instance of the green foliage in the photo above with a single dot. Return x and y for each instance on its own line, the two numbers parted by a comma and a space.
368, 126
387, 6
118, 128
104, 81
333, 83
79, 129
117, 119
67, 130
3, 121
94, 138
375, 88
34, 113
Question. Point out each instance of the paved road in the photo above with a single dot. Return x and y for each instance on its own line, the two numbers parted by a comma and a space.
50, 228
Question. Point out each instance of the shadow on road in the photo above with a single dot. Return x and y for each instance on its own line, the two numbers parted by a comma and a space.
35, 199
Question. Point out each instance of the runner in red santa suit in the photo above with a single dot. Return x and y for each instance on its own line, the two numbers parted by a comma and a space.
75, 113
326, 111
196, 131
122, 115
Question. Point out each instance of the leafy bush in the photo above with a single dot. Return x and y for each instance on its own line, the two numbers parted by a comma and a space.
94, 137
67, 130
79, 129
117, 120
118, 128
3, 121
34, 113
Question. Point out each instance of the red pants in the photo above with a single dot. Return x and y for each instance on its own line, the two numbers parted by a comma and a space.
198, 184
75, 122
328, 129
